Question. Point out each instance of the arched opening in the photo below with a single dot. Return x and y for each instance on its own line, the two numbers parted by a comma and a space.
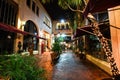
29, 39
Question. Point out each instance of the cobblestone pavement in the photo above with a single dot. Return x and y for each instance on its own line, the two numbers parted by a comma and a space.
70, 67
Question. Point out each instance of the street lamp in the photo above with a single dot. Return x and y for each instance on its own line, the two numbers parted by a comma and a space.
62, 21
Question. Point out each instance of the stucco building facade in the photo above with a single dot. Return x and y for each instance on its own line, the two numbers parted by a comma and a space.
62, 29
32, 22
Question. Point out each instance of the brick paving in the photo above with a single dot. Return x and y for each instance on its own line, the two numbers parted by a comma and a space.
45, 62
70, 67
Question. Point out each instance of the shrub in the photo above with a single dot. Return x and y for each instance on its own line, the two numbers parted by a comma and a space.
17, 67
57, 47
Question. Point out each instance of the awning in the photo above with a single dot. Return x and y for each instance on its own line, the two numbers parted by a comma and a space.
13, 29
5, 27
100, 5
87, 30
83, 31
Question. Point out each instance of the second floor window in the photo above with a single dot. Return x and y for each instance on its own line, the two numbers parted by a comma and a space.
47, 21
37, 11
8, 12
28, 3
33, 6
67, 26
63, 27
60, 26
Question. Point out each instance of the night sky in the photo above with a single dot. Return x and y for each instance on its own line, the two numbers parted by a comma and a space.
57, 12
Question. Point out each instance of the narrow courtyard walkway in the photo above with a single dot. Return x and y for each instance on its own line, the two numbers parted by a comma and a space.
70, 67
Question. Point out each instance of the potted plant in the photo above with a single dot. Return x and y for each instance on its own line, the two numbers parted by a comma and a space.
57, 50
17, 67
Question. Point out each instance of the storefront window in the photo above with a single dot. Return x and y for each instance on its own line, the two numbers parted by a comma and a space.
31, 28
95, 48
8, 15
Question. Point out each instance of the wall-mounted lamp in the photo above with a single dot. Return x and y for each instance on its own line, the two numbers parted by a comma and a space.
22, 24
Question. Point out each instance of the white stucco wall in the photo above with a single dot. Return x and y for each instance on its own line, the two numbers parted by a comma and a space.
25, 14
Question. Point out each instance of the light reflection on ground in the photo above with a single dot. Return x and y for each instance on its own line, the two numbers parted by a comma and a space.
70, 67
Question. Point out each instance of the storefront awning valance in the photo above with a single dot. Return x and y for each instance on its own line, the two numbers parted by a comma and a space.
13, 29
100, 5
83, 31
87, 30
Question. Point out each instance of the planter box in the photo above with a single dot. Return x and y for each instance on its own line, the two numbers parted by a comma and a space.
54, 57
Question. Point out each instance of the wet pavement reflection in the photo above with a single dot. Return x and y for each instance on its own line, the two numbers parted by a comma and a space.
70, 67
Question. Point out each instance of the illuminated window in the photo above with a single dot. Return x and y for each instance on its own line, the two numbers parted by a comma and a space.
57, 26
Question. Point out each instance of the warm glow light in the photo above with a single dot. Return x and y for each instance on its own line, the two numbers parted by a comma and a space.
23, 23
47, 36
19, 23
41, 33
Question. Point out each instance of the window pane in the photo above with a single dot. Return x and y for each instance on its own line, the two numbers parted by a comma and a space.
62, 27
67, 26
8, 12
28, 3
2, 11
37, 12
0, 7
33, 6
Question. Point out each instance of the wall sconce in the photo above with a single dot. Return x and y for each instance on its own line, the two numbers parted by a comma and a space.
22, 24
21, 27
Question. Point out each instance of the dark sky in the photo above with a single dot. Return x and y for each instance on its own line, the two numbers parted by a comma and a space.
57, 12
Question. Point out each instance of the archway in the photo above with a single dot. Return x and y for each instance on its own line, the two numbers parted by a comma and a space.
28, 39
